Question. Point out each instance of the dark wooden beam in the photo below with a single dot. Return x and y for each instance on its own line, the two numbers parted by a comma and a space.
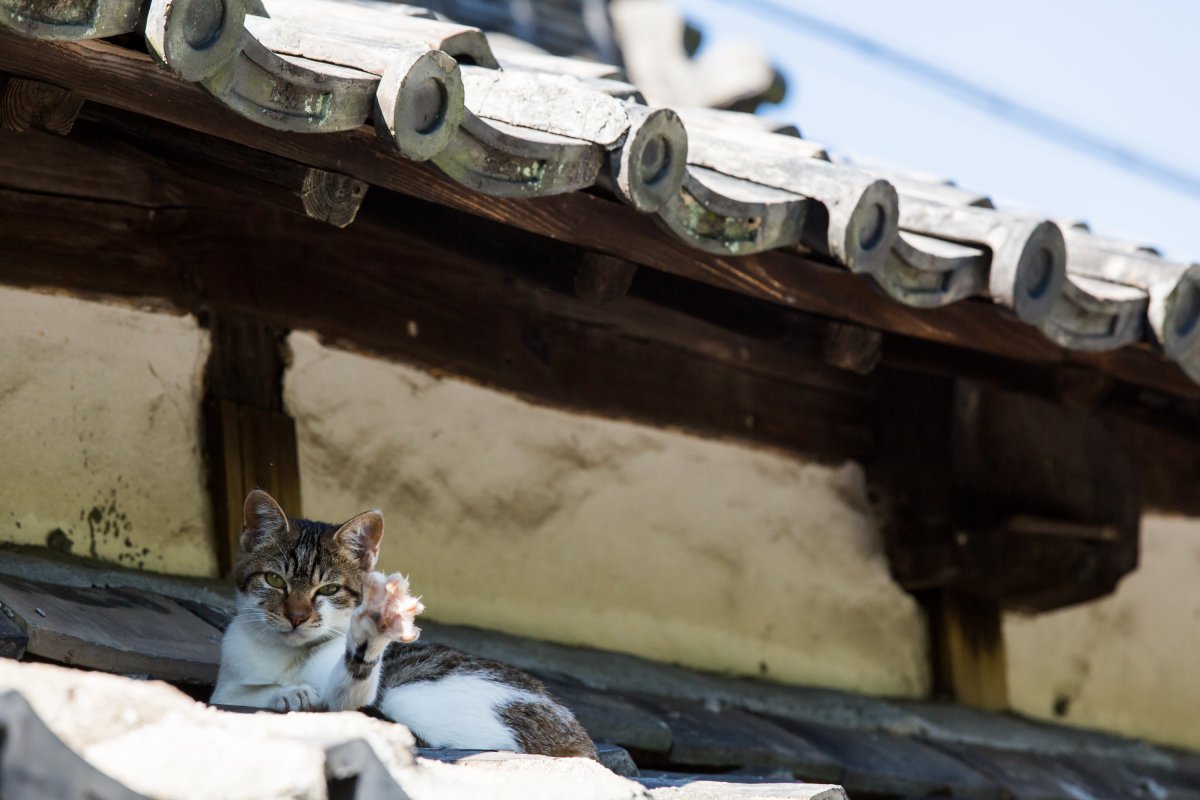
124, 79
250, 440
1003, 497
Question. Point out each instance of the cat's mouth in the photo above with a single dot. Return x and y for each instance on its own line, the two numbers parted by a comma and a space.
296, 634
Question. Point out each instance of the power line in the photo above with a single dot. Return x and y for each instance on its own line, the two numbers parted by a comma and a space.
992, 102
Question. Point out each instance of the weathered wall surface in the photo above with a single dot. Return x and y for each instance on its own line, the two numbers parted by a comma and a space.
1126, 663
591, 531
99, 420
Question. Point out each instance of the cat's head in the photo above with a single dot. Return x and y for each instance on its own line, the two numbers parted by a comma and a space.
298, 581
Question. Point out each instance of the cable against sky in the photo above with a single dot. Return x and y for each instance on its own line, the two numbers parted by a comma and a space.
991, 102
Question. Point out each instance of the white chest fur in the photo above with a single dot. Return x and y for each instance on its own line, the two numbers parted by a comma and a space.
248, 662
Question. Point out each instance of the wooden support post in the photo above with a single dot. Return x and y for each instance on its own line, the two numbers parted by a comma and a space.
26, 104
251, 440
914, 477
967, 643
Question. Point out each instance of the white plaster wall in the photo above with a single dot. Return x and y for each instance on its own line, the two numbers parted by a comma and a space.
1128, 662
99, 429
591, 531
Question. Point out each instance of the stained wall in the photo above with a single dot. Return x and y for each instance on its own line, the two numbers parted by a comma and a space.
1128, 662
100, 432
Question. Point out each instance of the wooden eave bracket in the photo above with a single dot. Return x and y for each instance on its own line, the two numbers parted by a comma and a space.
1038, 507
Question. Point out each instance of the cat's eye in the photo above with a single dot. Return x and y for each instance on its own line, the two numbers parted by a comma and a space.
329, 589
274, 580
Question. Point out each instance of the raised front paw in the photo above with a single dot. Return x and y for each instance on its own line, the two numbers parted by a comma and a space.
387, 610
297, 698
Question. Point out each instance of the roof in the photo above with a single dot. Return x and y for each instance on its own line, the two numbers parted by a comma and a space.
510, 123
684, 729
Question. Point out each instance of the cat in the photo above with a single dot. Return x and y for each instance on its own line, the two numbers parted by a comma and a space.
318, 629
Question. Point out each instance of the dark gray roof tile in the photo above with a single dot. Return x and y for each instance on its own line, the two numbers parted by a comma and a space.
70, 20
726, 737
290, 92
926, 272
510, 161
859, 222
879, 763
1097, 315
1028, 255
1026, 776
1173, 312
608, 717
719, 214
375, 23
552, 104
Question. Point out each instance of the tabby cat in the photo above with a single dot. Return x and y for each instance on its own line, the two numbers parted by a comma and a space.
317, 629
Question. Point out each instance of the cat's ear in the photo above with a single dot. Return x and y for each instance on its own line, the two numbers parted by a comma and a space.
262, 520
360, 537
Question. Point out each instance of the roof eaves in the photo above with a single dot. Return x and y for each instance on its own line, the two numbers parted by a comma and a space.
721, 182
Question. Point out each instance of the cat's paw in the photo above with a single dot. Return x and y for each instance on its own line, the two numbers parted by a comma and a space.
301, 697
387, 610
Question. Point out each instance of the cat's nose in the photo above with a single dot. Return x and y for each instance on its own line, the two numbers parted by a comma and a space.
296, 616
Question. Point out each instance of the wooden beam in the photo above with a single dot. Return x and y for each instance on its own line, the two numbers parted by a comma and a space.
246, 364
251, 441
129, 80
967, 640
26, 104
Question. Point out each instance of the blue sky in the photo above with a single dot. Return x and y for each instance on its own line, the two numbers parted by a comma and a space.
1128, 75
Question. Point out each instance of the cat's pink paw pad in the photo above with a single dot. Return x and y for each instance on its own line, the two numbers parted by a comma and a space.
297, 698
387, 603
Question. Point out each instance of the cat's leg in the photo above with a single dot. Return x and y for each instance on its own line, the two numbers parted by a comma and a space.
300, 697
385, 615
